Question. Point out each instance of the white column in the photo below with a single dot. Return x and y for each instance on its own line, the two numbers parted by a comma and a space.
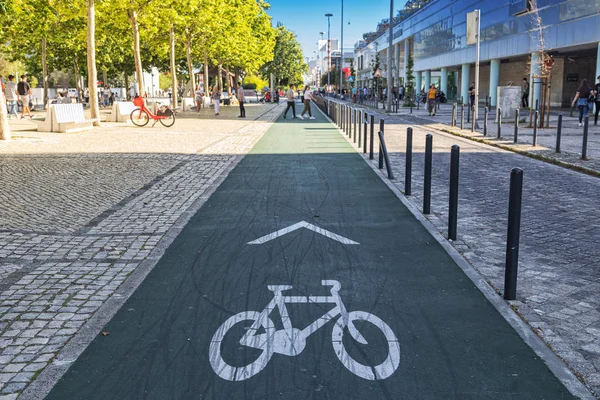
464, 83
535, 84
444, 80
418, 82
494, 79
427, 79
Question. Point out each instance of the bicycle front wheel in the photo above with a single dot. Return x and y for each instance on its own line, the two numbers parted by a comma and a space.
168, 118
379, 372
139, 117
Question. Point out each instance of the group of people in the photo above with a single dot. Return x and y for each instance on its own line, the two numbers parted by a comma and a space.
586, 97
215, 96
17, 93
306, 97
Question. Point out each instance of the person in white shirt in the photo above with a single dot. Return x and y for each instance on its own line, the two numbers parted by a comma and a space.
198, 97
290, 102
10, 93
307, 98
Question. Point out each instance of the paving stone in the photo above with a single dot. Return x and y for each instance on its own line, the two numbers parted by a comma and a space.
76, 241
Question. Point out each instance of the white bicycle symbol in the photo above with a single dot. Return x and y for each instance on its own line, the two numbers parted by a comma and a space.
291, 341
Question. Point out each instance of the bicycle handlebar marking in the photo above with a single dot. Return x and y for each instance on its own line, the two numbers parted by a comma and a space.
291, 341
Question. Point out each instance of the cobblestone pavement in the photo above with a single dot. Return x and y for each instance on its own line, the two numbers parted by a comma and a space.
559, 282
571, 137
81, 212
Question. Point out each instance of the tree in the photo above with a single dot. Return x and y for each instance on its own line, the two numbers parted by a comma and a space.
410, 82
91, 61
288, 63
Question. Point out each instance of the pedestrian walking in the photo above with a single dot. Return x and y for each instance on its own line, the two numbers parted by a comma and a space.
24, 91
307, 99
241, 99
216, 97
431, 99
597, 94
10, 92
290, 102
198, 97
525, 95
584, 99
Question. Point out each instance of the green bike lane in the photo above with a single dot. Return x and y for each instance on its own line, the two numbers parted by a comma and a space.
424, 330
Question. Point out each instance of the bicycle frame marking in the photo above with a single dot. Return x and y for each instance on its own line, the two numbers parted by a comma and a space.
291, 341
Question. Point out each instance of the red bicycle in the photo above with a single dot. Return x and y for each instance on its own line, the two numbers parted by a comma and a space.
141, 115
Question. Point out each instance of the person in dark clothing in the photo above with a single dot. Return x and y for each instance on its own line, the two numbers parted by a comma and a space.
525, 95
597, 102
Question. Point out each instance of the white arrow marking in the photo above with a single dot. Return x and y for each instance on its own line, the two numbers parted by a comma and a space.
302, 224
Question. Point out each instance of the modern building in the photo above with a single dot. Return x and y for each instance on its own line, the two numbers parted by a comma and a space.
512, 34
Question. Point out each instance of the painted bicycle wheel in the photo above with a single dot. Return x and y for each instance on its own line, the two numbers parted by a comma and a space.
168, 118
240, 373
139, 117
378, 372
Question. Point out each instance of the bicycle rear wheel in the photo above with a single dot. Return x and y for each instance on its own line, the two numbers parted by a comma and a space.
139, 117
169, 118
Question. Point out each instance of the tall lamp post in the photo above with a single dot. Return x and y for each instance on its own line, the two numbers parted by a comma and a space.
389, 58
320, 58
342, 52
328, 15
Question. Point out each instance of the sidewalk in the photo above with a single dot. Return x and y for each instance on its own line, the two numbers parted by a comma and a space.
415, 325
558, 280
571, 138
83, 212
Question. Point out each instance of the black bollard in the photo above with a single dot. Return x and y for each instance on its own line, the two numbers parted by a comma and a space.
585, 138
454, 115
485, 120
371, 138
453, 205
359, 121
473, 121
535, 127
354, 116
558, 132
427, 174
383, 150
462, 116
408, 168
499, 122
537, 103
514, 228
516, 126
468, 114
381, 123
365, 119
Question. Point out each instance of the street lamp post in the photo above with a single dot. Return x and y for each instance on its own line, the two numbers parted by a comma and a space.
152, 75
320, 58
389, 58
328, 15
342, 52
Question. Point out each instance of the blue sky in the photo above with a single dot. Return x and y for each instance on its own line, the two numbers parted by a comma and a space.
306, 18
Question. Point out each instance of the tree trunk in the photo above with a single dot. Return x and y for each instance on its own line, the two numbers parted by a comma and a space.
173, 70
126, 86
220, 78
4, 128
237, 76
45, 71
136, 53
188, 53
206, 88
104, 78
91, 62
77, 80
228, 79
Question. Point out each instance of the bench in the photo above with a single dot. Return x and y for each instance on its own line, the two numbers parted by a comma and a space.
64, 118
121, 110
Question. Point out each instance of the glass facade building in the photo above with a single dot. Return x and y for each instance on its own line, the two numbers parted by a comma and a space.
511, 31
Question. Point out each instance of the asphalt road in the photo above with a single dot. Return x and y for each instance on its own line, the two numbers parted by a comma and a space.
209, 322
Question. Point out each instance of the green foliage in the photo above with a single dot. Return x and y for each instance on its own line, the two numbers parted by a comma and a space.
254, 82
409, 88
288, 63
164, 81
